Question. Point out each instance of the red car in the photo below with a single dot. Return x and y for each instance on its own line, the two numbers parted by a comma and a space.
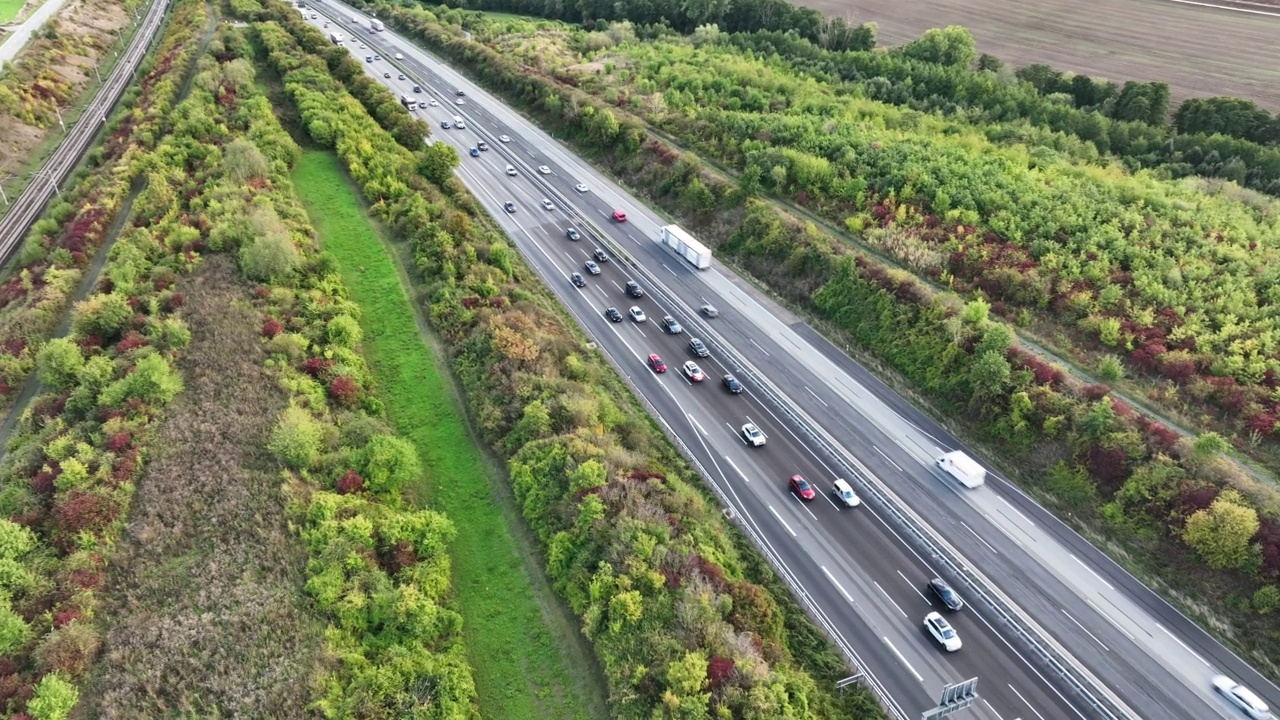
656, 363
619, 216
801, 487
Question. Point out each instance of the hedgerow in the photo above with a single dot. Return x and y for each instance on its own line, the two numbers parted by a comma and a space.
667, 592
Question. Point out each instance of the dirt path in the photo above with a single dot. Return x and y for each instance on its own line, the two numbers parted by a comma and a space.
1198, 50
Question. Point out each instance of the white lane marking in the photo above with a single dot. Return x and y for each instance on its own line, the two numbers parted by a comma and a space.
736, 468
1015, 692
1107, 617
1001, 529
992, 709
886, 457
984, 542
633, 239
784, 522
839, 587
1184, 645
1024, 517
886, 597
902, 659
698, 425
1086, 630
673, 272
815, 395
913, 587
827, 497
1091, 572
615, 284
753, 342
1227, 7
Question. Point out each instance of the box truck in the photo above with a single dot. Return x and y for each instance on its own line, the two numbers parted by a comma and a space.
375, 25
684, 245
963, 468
336, 38
408, 102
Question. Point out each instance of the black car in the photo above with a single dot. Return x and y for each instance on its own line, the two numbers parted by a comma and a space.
461, 94
600, 255
633, 289
613, 314
946, 595
444, 124
576, 279
731, 384
386, 75
417, 88
573, 234
697, 347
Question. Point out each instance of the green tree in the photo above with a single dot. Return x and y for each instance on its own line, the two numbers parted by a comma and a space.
1210, 444
13, 629
153, 381
269, 258
1266, 599
588, 475
952, 46
103, 315
989, 378
698, 197
54, 698
997, 339
243, 161
437, 161
686, 695
343, 331
59, 363
976, 313
1110, 368
297, 438
387, 463
1220, 533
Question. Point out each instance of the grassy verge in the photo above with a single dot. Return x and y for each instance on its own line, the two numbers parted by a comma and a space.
9, 10
521, 669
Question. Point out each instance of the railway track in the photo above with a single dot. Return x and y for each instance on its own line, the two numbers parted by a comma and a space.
28, 206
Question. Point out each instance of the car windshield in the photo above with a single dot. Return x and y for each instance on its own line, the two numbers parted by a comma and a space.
947, 632
946, 592
846, 493
802, 484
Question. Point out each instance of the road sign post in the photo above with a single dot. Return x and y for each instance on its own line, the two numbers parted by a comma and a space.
954, 697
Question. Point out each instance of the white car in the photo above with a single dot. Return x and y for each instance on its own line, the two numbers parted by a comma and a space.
459, 101
693, 372
504, 138
753, 435
399, 56
845, 493
1242, 697
942, 631
547, 204
511, 170
637, 314
544, 169
580, 188
433, 103
362, 46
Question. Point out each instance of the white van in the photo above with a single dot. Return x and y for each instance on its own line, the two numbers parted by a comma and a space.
459, 123
963, 468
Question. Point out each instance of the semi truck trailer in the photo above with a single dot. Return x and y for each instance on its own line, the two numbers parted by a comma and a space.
684, 245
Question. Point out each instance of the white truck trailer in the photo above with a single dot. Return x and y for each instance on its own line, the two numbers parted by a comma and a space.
336, 38
375, 25
963, 468
684, 245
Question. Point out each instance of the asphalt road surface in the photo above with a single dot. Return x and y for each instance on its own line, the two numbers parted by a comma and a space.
861, 571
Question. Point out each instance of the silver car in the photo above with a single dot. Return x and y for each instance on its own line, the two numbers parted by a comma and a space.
1242, 697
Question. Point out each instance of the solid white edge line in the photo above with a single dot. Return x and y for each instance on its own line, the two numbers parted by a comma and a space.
839, 587
975, 534
1109, 619
890, 599
903, 659
1015, 692
784, 522
1092, 572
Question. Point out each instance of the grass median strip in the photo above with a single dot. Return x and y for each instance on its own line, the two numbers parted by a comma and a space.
521, 669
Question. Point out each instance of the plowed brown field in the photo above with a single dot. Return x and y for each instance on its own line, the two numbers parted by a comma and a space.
1200, 51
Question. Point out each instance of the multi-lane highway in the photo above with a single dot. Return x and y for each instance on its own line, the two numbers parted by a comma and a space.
1053, 629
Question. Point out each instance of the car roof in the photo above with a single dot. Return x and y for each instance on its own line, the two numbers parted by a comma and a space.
654, 356
843, 485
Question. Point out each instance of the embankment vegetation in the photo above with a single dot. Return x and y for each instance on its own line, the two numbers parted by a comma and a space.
1173, 274
684, 617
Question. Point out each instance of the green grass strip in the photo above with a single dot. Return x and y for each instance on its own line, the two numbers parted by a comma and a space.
9, 10
521, 670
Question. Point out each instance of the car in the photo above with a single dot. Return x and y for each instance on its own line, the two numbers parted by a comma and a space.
572, 234
548, 205
600, 256
693, 372
482, 145
326, 24
417, 88
949, 598
731, 384
591, 267
637, 314
698, 348
377, 57
580, 188
656, 363
577, 280
444, 124
709, 311
753, 436
613, 314
433, 103
671, 326
942, 631
386, 75
368, 58
511, 170
633, 289
401, 77
504, 138
509, 207
801, 488
399, 56
474, 152
544, 169
460, 94
362, 47
840, 488
459, 101
1242, 697
314, 16
619, 216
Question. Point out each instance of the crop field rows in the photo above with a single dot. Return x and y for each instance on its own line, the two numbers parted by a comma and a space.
1200, 51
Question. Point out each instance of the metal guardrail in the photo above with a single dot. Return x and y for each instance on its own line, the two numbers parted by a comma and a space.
29, 205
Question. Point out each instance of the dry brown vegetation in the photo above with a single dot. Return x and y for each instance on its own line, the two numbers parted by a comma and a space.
1199, 51
208, 616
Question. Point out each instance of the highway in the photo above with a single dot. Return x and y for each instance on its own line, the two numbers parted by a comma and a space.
1047, 613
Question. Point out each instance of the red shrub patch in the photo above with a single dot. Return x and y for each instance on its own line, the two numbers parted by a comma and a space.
1192, 500
118, 442
1263, 423
132, 340
1109, 465
65, 617
10, 687
175, 301
42, 483
344, 390
397, 557
85, 512
350, 483
1095, 392
719, 671
1161, 436
1177, 370
1269, 541
89, 343
125, 468
712, 572
272, 328
7, 666
314, 366
85, 579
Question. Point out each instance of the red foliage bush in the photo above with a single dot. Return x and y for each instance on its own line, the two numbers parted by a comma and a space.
82, 512
50, 406
1095, 392
132, 340
65, 617
1263, 423
1194, 499
126, 467
344, 391
1176, 370
272, 328
8, 666
1109, 465
672, 577
350, 483
85, 579
175, 301
1121, 408
262, 292
43, 482
1161, 436
397, 557
11, 685
314, 366
712, 572
719, 671
1269, 541
118, 442
89, 343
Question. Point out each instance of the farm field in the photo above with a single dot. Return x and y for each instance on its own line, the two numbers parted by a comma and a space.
9, 10
520, 644
1198, 51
